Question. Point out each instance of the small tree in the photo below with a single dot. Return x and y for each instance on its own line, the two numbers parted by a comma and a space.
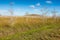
44, 12
11, 12
54, 14
0, 15
27, 13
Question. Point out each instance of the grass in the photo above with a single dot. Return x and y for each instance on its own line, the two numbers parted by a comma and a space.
33, 29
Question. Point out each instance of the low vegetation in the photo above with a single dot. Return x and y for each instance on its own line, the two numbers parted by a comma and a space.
24, 28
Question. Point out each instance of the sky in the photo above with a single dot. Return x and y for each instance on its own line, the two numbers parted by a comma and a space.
21, 7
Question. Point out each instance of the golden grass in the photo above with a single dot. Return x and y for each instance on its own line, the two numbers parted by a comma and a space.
29, 28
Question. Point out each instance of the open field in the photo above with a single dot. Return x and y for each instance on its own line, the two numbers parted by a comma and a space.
26, 28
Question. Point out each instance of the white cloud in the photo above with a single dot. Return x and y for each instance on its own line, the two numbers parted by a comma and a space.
4, 12
32, 6
49, 2
36, 10
38, 4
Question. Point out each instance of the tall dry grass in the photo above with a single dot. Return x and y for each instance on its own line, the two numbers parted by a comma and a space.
33, 29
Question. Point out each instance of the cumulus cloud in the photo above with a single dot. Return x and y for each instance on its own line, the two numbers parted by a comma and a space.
32, 6
49, 2
4, 12
38, 4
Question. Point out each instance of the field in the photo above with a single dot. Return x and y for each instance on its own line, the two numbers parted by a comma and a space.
26, 28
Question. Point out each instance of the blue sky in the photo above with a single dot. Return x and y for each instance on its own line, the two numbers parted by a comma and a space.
20, 7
